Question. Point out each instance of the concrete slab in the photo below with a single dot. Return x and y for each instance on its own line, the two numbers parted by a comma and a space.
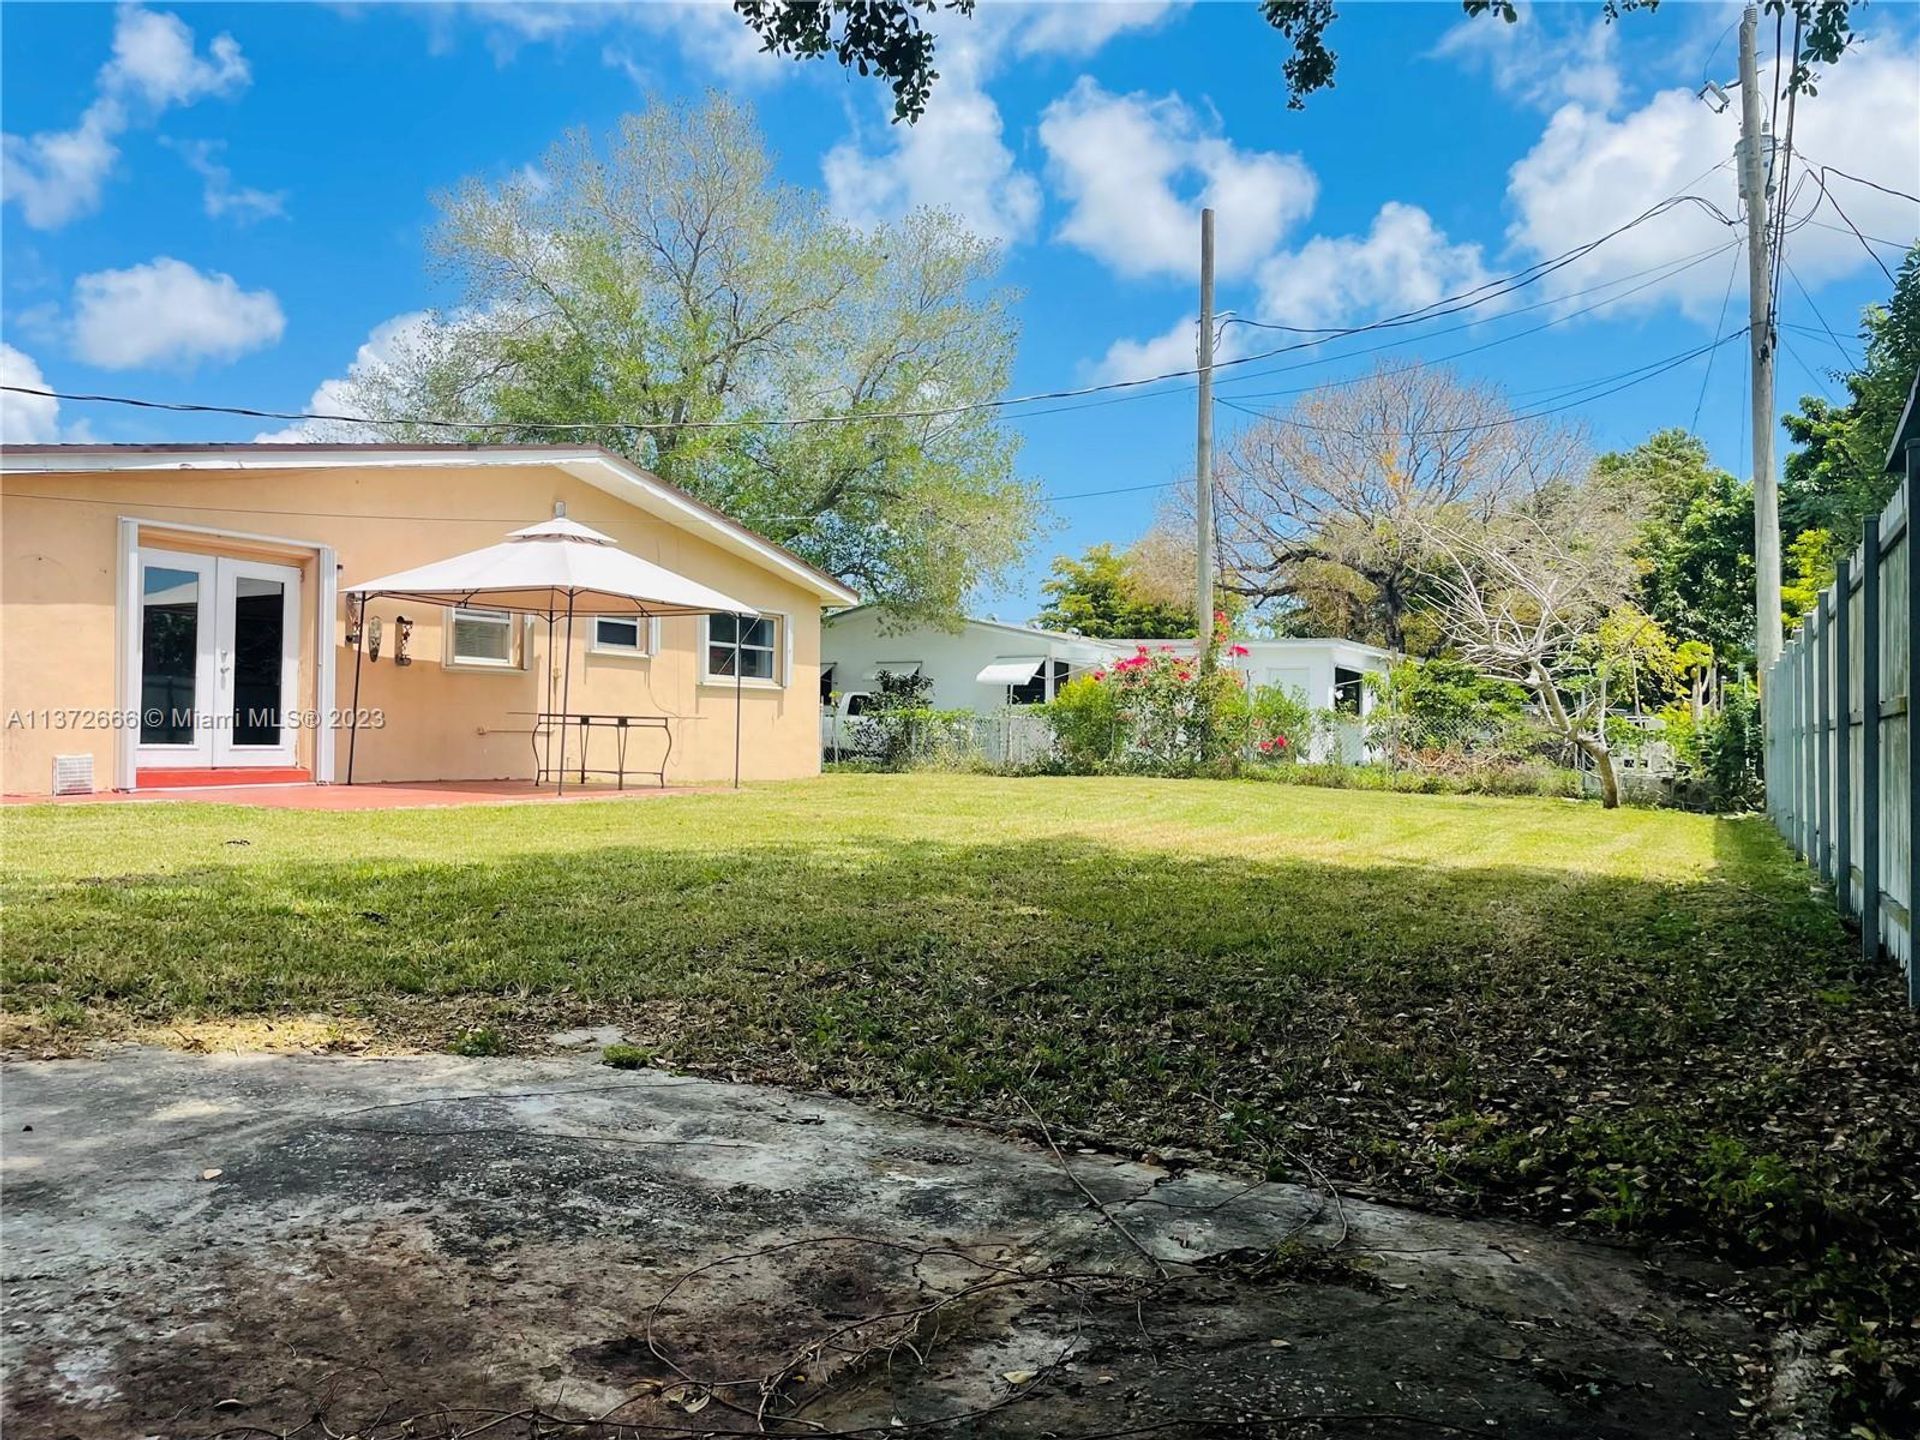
194, 1245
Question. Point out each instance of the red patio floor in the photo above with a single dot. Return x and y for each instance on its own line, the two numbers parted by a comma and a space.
418, 795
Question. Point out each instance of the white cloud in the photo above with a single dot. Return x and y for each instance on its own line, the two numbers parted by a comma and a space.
25, 419
1079, 28
708, 33
168, 313
1590, 171
1403, 262
1541, 61
221, 197
154, 59
388, 343
1136, 171
56, 176
955, 157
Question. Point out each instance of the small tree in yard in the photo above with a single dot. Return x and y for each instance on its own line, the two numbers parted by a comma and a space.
1524, 595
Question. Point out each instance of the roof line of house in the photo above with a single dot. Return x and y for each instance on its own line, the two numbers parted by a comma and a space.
153, 457
1126, 642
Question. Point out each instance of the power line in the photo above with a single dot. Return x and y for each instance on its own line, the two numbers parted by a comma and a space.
1870, 184
1668, 270
1812, 374
1639, 373
1827, 195
1793, 275
1503, 286
1449, 305
1628, 379
1719, 328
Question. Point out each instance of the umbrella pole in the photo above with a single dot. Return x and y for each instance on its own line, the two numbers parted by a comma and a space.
739, 655
566, 696
353, 719
546, 729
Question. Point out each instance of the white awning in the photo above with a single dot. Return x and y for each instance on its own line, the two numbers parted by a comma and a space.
1017, 671
555, 568
894, 667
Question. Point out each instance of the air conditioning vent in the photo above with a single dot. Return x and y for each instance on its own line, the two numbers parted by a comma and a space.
73, 774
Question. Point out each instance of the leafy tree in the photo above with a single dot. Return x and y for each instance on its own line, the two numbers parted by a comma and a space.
1101, 594
660, 293
879, 37
888, 38
1835, 480
1695, 545
1441, 699
1809, 567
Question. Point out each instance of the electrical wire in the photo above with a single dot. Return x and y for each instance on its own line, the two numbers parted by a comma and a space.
1505, 285
1827, 195
1448, 305
1639, 374
1785, 143
1719, 328
1870, 184
1606, 383
1667, 272
1794, 276
1816, 376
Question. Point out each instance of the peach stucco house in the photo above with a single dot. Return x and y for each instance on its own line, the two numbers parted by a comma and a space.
173, 613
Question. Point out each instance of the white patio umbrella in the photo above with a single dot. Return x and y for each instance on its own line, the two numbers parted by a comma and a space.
558, 568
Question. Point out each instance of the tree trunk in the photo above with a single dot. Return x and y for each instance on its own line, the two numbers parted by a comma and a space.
1594, 747
1601, 754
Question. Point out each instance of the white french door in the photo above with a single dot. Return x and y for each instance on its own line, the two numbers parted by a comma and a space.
219, 647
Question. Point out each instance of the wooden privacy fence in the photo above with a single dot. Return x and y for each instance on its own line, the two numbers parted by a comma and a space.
1840, 739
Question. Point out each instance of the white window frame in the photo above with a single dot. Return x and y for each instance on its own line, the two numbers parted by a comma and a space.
516, 649
782, 652
646, 634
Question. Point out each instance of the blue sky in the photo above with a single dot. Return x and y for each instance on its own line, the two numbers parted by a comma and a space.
224, 203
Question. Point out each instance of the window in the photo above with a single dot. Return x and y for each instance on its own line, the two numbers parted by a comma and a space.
1033, 690
623, 635
480, 637
826, 685
746, 643
1346, 690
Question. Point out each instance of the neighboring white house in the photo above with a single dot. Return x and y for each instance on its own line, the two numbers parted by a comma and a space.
986, 666
983, 666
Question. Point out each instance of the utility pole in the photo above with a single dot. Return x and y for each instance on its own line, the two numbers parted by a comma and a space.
1754, 165
1203, 454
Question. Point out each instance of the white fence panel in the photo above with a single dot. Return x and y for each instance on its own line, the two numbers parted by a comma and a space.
1840, 736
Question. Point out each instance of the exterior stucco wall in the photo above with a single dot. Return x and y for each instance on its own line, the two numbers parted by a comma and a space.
60, 619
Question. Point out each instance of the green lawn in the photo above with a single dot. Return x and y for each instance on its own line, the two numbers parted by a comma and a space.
1639, 1020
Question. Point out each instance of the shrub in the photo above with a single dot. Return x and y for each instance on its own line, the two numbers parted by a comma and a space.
1445, 702
902, 739
1482, 777
1729, 751
902, 730
1084, 716
1163, 711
